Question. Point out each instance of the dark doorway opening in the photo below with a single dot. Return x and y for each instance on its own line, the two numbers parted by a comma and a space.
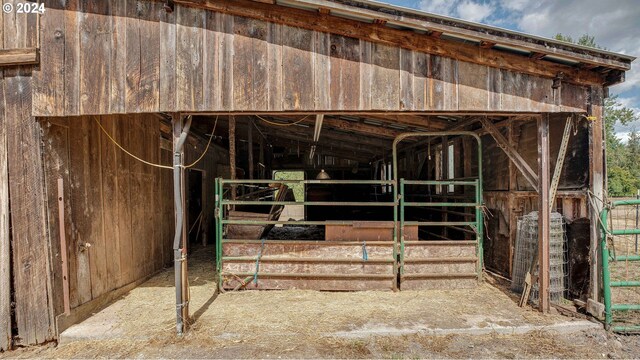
195, 206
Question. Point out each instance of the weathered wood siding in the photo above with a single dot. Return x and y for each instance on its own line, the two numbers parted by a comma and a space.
29, 265
130, 56
118, 217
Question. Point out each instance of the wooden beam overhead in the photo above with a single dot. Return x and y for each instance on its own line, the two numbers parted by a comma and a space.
476, 32
394, 37
487, 44
15, 57
361, 127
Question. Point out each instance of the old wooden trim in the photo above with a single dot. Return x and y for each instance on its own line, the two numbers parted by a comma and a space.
474, 31
394, 37
15, 57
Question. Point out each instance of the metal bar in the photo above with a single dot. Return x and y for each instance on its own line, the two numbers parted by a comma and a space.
317, 276
315, 203
625, 232
625, 284
637, 217
440, 223
628, 258
626, 202
626, 329
625, 307
441, 204
402, 223
606, 274
479, 225
332, 182
277, 222
272, 259
306, 242
439, 182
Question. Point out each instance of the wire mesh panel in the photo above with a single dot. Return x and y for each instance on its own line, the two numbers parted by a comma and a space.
527, 246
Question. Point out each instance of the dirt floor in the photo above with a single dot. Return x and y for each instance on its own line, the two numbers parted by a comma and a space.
474, 323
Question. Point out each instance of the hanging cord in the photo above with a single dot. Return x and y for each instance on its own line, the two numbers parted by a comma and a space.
282, 124
604, 227
125, 150
255, 275
365, 255
95, 118
206, 148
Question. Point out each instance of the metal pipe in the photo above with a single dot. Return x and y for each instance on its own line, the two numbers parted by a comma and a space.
178, 255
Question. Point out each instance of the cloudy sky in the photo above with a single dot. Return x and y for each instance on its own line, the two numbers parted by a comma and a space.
614, 23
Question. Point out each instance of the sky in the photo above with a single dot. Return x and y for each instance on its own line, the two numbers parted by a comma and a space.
614, 23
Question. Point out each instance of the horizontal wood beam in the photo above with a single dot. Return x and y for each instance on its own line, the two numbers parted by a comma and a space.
477, 32
361, 128
15, 57
394, 37
511, 152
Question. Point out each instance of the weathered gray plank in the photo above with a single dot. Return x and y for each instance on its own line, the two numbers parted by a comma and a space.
118, 78
297, 78
32, 278
95, 57
5, 254
190, 23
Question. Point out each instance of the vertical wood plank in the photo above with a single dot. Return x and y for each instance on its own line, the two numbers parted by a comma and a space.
443, 89
344, 72
297, 80
407, 96
189, 68
322, 71
71, 59
274, 58
111, 221
92, 183
123, 199
31, 263
243, 70
5, 254
420, 73
48, 80
149, 91
365, 75
133, 57
211, 61
385, 77
56, 166
597, 183
118, 56
473, 89
95, 56
167, 61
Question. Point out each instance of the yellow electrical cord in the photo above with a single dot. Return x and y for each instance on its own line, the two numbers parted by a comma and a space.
150, 163
125, 150
279, 124
207, 148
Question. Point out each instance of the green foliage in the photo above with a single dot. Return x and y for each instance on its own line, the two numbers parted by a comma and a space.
623, 161
298, 189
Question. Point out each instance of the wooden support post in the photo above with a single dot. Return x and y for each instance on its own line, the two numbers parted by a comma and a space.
445, 175
544, 214
513, 187
597, 182
180, 257
5, 254
250, 147
232, 153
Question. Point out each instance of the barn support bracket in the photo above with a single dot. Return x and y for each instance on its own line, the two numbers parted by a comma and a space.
511, 152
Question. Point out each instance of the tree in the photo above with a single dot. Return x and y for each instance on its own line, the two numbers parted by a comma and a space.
623, 167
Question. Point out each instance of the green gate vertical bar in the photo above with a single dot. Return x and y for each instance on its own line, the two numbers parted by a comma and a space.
479, 227
402, 192
220, 217
606, 275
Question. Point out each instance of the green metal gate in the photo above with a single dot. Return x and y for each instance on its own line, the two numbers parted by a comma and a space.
353, 264
621, 265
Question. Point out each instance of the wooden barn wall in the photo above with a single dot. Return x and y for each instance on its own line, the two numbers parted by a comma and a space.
508, 196
26, 267
119, 212
130, 56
